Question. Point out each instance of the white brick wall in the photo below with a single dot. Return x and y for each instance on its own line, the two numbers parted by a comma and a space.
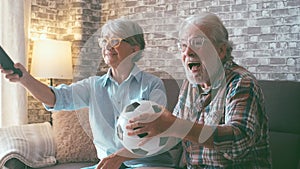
265, 33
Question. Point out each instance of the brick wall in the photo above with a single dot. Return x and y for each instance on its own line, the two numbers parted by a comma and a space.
70, 20
265, 34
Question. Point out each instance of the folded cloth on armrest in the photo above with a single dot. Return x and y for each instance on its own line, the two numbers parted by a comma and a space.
32, 144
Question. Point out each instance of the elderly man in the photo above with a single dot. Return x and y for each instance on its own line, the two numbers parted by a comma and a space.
220, 112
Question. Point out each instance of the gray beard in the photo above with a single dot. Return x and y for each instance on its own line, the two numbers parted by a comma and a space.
192, 79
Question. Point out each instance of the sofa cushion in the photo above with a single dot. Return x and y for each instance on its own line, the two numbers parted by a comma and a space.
30, 144
285, 149
68, 166
73, 144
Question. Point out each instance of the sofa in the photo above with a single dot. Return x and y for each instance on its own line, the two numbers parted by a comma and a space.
74, 148
283, 107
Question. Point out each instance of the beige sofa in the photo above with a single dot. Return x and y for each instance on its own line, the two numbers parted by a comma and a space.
74, 148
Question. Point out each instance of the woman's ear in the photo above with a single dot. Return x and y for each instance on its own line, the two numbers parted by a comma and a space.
135, 48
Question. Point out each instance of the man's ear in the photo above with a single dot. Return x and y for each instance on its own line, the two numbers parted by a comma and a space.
222, 51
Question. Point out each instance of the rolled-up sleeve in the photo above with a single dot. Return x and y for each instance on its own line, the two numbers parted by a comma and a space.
71, 97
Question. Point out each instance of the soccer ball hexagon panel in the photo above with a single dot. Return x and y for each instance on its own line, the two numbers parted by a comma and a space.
155, 144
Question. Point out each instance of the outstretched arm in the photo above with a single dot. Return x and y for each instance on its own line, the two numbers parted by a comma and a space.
39, 90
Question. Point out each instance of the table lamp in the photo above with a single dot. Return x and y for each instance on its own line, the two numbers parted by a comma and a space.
52, 59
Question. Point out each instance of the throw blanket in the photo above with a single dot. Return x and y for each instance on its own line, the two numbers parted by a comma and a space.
32, 144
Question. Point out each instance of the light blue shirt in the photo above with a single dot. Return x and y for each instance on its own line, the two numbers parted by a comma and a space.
106, 99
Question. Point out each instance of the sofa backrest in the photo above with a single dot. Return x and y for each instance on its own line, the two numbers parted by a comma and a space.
282, 101
172, 90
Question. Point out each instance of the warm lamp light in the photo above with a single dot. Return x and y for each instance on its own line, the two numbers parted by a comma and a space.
52, 59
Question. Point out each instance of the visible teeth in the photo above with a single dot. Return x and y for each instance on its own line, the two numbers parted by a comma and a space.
193, 64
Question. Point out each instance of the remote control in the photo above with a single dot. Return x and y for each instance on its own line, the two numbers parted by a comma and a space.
7, 63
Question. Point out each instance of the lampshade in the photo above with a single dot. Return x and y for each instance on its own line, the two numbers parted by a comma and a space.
52, 59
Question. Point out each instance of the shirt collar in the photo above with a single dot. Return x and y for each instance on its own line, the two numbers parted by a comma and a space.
135, 73
228, 64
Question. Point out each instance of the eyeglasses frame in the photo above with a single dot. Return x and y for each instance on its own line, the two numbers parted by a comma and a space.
109, 42
182, 47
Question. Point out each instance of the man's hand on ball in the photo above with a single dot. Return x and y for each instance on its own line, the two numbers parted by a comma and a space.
152, 124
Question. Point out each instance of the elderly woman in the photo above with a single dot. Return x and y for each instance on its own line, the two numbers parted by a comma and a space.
122, 42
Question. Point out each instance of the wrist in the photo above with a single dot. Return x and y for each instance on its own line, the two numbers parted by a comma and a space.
178, 128
27, 80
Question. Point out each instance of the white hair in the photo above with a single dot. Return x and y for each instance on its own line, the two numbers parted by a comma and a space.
214, 29
125, 29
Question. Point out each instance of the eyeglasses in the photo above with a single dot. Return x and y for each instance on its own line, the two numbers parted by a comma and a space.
113, 42
195, 42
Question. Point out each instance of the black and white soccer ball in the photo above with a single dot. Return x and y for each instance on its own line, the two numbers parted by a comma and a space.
156, 144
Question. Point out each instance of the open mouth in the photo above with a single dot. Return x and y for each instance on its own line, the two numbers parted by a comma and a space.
194, 65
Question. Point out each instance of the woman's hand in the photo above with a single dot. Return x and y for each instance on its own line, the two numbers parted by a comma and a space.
151, 123
38, 89
9, 74
112, 161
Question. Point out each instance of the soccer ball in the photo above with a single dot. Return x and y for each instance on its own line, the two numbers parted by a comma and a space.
155, 145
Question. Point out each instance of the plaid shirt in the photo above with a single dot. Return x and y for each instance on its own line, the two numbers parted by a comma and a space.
243, 111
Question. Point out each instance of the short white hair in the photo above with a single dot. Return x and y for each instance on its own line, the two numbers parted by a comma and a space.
217, 32
125, 29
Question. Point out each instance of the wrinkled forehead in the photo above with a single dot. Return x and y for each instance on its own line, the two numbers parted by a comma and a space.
191, 30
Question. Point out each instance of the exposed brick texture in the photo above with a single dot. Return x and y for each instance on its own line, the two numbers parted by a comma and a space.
265, 34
